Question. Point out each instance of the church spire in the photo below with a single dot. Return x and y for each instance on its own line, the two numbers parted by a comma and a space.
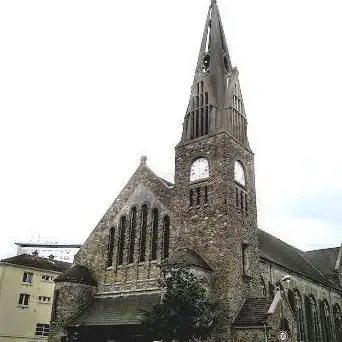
215, 102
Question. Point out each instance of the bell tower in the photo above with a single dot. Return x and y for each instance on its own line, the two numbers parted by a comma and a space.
215, 198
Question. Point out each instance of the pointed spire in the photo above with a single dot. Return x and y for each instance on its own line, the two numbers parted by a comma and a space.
215, 103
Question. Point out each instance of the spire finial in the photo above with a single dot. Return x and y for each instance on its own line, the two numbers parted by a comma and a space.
143, 160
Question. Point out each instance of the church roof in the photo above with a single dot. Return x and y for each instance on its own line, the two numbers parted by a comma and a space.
119, 310
291, 258
190, 257
35, 261
77, 274
327, 260
253, 312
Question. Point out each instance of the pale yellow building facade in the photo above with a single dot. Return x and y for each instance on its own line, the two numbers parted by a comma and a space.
26, 297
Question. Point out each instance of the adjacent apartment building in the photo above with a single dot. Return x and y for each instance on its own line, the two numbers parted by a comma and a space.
26, 296
60, 251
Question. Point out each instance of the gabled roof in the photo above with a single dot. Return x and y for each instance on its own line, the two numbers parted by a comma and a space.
253, 312
190, 257
77, 274
119, 310
291, 258
37, 262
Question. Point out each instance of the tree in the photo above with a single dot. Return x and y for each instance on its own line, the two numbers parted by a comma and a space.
185, 312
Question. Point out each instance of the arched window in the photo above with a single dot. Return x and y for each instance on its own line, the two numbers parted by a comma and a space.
121, 242
299, 314
326, 322
312, 318
239, 173
166, 236
132, 233
271, 290
142, 254
154, 242
337, 322
199, 169
110, 246
263, 286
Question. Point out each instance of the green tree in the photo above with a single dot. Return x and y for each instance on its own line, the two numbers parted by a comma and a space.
185, 312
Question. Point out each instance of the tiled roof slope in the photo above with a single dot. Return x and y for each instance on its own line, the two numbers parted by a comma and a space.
121, 310
253, 312
291, 258
324, 259
37, 262
77, 274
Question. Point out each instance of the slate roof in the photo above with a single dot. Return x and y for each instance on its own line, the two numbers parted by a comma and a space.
291, 258
77, 274
324, 259
253, 312
188, 256
37, 262
120, 310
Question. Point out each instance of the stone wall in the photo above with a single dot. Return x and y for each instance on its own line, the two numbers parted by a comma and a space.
71, 300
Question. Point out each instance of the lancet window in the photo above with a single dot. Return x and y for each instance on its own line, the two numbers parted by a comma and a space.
132, 234
327, 331
121, 242
154, 242
337, 322
197, 121
312, 317
110, 246
166, 237
143, 233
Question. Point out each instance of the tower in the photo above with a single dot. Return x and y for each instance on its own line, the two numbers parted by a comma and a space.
215, 198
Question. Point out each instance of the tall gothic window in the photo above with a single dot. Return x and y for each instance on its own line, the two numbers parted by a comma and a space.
166, 236
132, 233
121, 242
197, 120
327, 332
154, 242
142, 254
312, 317
296, 303
338, 322
110, 246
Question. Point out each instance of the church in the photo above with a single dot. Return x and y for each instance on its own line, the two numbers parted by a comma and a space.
206, 218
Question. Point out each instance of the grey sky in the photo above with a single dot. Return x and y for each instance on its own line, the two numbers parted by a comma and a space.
87, 87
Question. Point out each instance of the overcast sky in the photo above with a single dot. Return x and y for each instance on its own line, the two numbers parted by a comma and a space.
87, 87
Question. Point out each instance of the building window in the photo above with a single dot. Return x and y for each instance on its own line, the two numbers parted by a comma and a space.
42, 329
44, 299
24, 299
27, 277
110, 246
326, 322
47, 277
206, 194
239, 173
199, 169
245, 260
121, 242
312, 318
143, 233
241, 200
132, 233
166, 236
296, 304
338, 322
191, 197
154, 242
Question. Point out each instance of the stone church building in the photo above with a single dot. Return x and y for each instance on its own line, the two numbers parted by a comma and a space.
206, 218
